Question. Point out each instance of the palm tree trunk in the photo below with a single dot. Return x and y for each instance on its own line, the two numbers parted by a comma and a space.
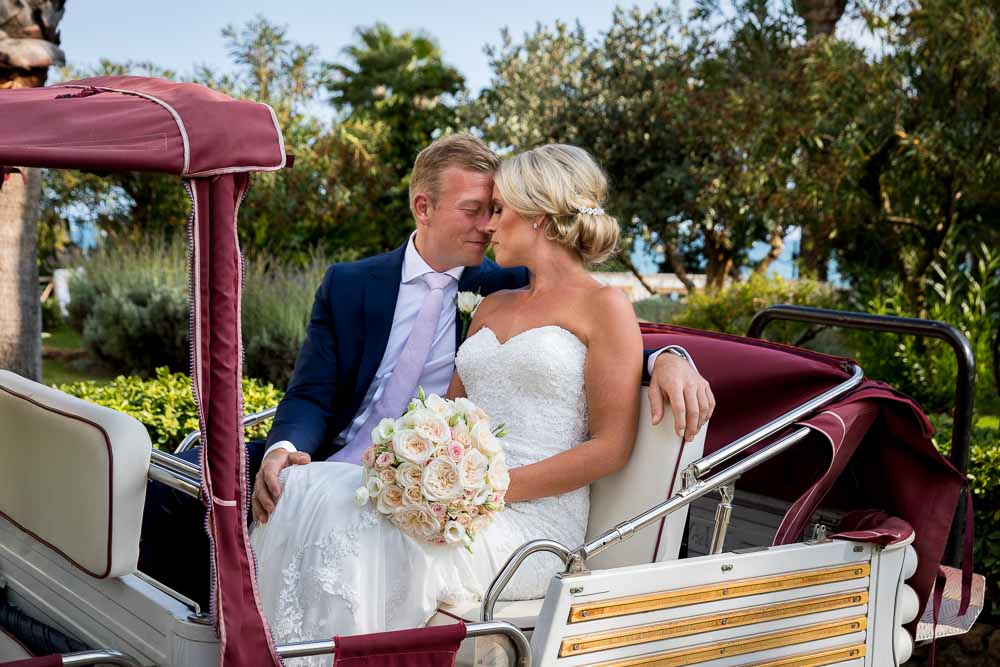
20, 312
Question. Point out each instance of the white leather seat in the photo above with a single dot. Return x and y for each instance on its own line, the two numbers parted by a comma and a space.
652, 475
72, 475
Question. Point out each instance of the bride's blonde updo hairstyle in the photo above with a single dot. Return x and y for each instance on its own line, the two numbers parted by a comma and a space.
564, 185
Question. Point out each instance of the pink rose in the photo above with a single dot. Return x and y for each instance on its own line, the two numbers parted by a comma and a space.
384, 459
368, 457
456, 451
438, 510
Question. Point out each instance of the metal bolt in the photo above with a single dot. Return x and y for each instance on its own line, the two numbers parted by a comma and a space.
576, 647
585, 613
725, 621
575, 589
727, 567
858, 549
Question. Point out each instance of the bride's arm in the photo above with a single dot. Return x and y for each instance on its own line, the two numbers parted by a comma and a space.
613, 378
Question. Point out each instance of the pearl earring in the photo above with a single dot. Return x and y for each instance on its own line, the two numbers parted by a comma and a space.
535, 226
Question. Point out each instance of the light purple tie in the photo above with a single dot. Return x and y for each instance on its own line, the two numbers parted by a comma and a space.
402, 383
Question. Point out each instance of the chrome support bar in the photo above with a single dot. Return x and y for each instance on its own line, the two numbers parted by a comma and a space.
174, 480
510, 567
686, 496
174, 464
723, 513
522, 649
166, 590
697, 469
248, 421
103, 657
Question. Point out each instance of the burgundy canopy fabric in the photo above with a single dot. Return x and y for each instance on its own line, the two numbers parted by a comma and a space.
45, 661
425, 647
212, 141
132, 123
869, 449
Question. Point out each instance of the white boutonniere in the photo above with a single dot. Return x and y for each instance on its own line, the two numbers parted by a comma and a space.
467, 302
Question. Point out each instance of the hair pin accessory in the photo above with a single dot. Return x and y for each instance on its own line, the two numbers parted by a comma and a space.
597, 210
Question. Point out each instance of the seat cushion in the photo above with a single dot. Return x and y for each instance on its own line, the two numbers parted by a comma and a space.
520, 613
72, 475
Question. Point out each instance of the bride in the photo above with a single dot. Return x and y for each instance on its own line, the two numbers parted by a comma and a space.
558, 363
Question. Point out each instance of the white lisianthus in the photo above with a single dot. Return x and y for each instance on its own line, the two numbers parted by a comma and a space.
460, 433
464, 406
482, 495
409, 474
431, 426
390, 500
374, 485
417, 520
382, 433
441, 480
411, 446
453, 532
361, 496
484, 440
440, 406
472, 470
498, 475
468, 302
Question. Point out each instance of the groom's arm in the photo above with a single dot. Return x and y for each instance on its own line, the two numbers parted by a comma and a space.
303, 416
674, 379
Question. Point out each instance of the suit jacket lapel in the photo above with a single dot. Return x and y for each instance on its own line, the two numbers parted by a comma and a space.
381, 292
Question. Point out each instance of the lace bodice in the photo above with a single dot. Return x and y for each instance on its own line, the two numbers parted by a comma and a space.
533, 384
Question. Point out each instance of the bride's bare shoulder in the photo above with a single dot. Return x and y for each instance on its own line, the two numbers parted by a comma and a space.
607, 310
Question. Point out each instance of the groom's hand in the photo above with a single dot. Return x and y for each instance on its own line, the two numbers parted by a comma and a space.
674, 381
266, 488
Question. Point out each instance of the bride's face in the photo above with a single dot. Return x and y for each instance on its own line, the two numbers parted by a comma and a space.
514, 239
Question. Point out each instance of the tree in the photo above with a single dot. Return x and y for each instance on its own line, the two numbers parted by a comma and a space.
398, 83
29, 39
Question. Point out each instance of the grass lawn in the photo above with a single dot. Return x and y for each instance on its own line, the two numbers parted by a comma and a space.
60, 370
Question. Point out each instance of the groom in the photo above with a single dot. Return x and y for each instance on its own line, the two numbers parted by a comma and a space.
383, 326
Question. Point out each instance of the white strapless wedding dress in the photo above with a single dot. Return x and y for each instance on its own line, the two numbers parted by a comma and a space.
327, 568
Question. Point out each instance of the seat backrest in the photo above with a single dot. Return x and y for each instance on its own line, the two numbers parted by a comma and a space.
652, 474
72, 475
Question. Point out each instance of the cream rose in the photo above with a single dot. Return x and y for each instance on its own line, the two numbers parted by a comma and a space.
390, 500
460, 433
387, 475
409, 474
431, 426
484, 440
361, 496
374, 485
472, 469
417, 521
412, 495
441, 480
498, 475
411, 446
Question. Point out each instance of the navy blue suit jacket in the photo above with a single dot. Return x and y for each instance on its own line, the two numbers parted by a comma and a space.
345, 340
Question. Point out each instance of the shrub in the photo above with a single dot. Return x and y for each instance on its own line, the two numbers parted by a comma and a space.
165, 403
660, 309
984, 478
731, 309
52, 317
131, 306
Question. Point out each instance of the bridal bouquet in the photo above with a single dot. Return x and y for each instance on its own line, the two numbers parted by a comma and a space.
438, 472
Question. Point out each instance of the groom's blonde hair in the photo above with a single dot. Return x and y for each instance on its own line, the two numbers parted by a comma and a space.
454, 150
563, 185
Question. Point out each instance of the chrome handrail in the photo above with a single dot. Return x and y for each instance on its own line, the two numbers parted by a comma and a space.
248, 421
102, 657
510, 567
522, 648
706, 463
686, 496
175, 464
175, 480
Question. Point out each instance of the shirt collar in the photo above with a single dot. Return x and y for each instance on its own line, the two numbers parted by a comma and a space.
414, 265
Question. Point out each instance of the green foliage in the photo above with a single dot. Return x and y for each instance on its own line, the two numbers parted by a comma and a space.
984, 478
730, 309
659, 309
968, 297
52, 317
165, 403
131, 306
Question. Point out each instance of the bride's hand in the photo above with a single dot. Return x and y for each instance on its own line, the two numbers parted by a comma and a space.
266, 487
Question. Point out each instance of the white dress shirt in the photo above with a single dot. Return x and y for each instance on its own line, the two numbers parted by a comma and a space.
438, 370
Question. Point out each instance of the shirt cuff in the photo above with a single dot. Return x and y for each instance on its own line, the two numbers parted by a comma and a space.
282, 444
673, 349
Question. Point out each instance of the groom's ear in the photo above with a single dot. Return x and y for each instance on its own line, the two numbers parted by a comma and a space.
420, 206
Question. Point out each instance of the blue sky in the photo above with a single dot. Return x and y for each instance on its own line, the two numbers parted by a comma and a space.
182, 33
